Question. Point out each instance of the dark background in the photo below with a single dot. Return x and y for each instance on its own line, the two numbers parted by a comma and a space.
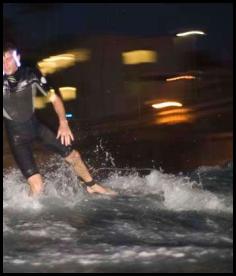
130, 136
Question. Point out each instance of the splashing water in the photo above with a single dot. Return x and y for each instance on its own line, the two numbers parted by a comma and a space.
158, 222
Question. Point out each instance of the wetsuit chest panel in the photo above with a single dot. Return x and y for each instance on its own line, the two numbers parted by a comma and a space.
18, 95
19, 105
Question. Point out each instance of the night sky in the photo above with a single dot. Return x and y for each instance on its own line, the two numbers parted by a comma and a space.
37, 24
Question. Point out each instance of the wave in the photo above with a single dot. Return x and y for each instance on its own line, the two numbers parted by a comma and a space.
175, 192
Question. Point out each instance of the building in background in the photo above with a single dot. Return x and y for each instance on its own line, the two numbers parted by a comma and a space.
158, 94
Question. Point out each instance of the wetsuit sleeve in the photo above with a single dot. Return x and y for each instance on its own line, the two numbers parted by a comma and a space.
43, 85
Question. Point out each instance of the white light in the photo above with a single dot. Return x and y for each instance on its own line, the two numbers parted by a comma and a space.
191, 33
186, 77
166, 104
16, 58
69, 115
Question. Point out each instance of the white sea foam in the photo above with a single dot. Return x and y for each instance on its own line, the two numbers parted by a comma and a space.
179, 192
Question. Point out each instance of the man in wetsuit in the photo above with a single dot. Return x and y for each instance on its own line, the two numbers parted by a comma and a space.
19, 89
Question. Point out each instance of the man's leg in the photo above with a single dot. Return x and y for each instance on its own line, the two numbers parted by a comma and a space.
72, 157
77, 163
24, 158
81, 170
36, 184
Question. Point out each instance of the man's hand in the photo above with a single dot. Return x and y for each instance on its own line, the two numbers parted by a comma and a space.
65, 133
100, 190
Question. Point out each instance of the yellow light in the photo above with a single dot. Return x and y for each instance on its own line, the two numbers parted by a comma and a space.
50, 96
81, 55
191, 33
166, 104
139, 56
60, 58
56, 63
68, 93
175, 119
39, 102
175, 116
53, 64
174, 111
186, 77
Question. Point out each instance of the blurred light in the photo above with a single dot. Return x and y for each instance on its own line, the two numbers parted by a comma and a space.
40, 102
50, 96
166, 104
175, 119
139, 56
176, 116
186, 77
56, 63
68, 93
69, 115
174, 111
191, 33
16, 58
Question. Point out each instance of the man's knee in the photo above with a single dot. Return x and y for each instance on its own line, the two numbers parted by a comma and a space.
28, 173
73, 157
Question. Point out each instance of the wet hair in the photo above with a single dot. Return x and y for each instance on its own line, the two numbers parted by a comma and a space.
12, 47
9, 46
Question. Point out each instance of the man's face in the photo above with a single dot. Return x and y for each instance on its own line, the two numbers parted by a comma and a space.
9, 62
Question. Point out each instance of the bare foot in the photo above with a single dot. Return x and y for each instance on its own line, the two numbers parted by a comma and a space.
101, 190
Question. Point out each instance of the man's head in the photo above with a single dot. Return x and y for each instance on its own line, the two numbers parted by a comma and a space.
11, 59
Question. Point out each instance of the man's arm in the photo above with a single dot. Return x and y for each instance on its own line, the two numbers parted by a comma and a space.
64, 131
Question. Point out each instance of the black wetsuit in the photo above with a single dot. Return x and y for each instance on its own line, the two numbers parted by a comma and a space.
22, 126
